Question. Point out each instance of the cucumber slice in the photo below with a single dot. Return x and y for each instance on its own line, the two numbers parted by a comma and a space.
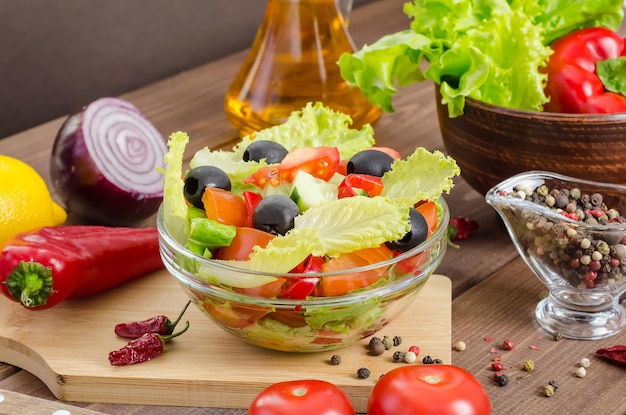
308, 191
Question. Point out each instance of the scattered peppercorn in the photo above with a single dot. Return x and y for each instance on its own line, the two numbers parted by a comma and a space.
528, 365
363, 373
497, 366
377, 348
398, 356
438, 361
415, 349
387, 342
460, 346
585, 259
397, 340
427, 360
374, 340
581, 372
548, 390
508, 344
584, 362
553, 384
501, 379
410, 357
557, 336
335, 360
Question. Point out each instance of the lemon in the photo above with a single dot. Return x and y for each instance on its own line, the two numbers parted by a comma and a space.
25, 202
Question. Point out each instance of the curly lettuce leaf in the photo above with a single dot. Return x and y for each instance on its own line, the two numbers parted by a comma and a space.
315, 125
174, 204
353, 223
421, 176
488, 50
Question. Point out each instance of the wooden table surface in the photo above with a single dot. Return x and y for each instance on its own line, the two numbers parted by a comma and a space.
494, 293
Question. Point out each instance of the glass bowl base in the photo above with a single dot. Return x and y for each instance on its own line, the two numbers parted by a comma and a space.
578, 324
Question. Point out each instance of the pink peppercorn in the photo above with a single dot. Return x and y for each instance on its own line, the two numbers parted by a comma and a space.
508, 344
415, 349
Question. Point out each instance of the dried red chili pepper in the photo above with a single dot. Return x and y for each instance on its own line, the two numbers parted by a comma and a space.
142, 349
158, 324
615, 354
39, 269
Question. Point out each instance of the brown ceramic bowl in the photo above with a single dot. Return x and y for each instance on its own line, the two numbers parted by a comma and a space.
491, 143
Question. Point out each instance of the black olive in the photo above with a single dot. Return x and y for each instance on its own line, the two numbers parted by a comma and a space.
200, 178
275, 214
271, 151
372, 162
414, 237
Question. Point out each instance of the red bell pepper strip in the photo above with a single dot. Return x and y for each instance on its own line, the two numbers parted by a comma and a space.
352, 183
42, 268
252, 199
298, 288
586, 73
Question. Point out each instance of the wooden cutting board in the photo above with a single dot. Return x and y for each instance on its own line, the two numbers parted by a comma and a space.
67, 348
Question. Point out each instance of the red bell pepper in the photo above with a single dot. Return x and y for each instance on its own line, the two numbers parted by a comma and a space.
40, 269
587, 73
352, 183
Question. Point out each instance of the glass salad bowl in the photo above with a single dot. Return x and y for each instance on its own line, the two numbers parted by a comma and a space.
571, 234
318, 322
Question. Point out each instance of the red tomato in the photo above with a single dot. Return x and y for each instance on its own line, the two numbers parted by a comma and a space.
237, 317
301, 397
224, 206
321, 162
428, 390
395, 154
341, 284
243, 244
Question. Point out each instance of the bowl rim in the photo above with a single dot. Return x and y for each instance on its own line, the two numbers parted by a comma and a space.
493, 196
428, 243
555, 116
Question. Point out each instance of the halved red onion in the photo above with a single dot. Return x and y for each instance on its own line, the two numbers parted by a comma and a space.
105, 162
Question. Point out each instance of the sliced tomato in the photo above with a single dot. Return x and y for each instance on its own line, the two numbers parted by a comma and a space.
428, 210
341, 284
236, 317
252, 199
371, 185
321, 162
243, 244
224, 207
395, 154
290, 318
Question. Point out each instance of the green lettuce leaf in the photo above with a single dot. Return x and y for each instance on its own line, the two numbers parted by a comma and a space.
352, 223
314, 126
174, 204
341, 319
421, 176
489, 50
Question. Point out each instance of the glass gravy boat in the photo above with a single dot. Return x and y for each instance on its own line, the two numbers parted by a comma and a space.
571, 235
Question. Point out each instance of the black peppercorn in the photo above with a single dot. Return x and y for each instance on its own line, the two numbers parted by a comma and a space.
438, 361
363, 373
397, 340
335, 360
501, 379
427, 360
398, 356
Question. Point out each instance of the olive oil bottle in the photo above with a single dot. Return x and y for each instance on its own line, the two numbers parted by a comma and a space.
293, 61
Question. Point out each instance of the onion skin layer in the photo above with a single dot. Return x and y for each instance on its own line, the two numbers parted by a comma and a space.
81, 184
